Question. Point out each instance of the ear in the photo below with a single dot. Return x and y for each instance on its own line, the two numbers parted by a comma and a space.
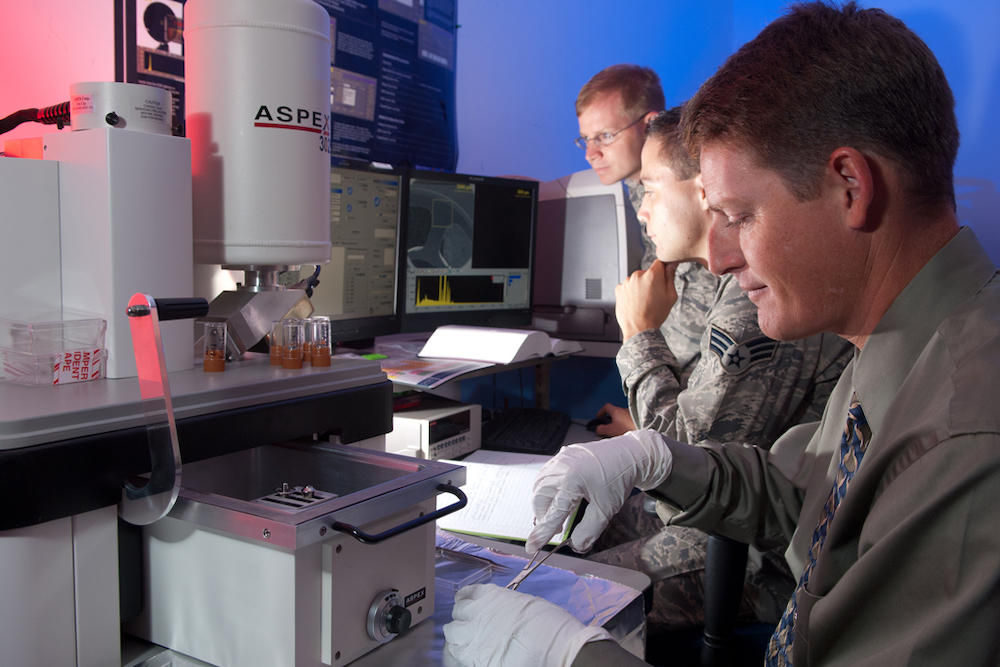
649, 116
850, 174
699, 185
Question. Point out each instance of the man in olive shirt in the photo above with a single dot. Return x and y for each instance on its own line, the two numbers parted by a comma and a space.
827, 146
707, 373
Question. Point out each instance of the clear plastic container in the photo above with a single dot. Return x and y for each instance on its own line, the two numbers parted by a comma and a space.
454, 569
43, 370
51, 333
52, 349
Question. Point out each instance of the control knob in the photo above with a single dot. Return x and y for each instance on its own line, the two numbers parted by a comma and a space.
387, 617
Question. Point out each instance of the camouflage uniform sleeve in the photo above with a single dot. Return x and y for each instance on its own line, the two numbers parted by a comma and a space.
652, 377
744, 387
654, 372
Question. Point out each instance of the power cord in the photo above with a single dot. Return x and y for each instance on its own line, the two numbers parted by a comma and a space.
57, 115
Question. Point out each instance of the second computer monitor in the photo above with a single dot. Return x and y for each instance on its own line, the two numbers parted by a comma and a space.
591, 241
469, 251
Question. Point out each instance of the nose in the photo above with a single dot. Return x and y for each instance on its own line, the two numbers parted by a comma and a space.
724, 252
643, 212
593, 151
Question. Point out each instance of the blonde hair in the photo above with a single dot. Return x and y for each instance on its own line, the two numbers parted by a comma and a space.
639, 88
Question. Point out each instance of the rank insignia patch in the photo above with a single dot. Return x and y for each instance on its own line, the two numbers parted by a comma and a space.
738, 357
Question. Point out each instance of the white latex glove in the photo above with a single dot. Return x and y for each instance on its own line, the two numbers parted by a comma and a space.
604, 473
495, 627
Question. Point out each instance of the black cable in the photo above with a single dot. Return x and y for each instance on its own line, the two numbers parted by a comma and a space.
10, 122
57, 115
308, 283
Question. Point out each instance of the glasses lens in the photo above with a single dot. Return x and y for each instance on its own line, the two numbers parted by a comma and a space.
581, 142
605, 139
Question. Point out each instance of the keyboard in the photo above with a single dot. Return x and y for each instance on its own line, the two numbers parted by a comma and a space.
526, 430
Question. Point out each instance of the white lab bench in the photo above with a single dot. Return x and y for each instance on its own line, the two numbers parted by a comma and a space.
66, 450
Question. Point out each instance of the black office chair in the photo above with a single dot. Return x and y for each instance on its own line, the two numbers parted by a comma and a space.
723, 642
725, 569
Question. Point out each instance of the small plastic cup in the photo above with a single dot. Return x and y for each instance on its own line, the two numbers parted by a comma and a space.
215, 347
292, 340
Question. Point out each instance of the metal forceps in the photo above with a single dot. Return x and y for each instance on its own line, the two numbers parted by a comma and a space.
533, 565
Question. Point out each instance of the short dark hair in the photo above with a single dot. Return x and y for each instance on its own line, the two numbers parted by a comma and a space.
639, 87
665, 129
821, 77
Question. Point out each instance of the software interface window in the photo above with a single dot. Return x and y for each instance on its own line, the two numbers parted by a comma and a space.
469, 245
360, 280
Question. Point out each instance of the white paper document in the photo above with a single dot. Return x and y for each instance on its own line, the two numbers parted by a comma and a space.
498, 485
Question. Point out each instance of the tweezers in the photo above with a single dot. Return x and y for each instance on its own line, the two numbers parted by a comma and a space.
533, 565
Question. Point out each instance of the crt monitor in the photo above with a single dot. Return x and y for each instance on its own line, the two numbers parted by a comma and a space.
590, 239
469, 250
360, 289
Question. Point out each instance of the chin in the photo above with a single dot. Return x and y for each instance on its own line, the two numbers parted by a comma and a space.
779, 329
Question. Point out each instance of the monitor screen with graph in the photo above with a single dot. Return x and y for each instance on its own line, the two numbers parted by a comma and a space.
469, 250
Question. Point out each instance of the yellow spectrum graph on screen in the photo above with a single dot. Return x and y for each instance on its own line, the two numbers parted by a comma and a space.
443, 294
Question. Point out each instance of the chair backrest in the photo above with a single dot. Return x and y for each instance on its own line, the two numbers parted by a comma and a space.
725, 569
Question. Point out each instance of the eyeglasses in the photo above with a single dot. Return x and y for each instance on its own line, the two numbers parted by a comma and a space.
605, 139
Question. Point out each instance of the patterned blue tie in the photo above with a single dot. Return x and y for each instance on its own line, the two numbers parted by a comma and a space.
852, 450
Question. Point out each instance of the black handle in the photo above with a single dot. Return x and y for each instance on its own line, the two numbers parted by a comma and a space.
365, 538
181, 309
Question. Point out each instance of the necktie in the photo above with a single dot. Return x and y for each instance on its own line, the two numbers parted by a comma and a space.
852, 449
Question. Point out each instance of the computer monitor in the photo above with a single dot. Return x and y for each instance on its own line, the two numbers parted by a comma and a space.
469, 250
590, 238
360, 290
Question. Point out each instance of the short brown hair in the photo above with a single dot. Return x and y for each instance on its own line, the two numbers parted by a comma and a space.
821, 77
639, 87
665, 129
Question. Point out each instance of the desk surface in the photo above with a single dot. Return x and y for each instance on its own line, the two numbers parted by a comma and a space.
424, 645
591, 348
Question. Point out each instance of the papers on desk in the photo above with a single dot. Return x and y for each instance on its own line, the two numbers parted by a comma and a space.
427, 373
498, 485
498, 346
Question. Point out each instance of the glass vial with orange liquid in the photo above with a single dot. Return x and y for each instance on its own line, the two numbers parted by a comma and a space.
274, 338
292, 343
322, 348
215, 347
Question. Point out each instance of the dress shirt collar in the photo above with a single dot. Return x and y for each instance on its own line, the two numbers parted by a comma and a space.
959, 270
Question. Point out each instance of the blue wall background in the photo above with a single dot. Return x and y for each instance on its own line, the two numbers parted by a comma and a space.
521, 63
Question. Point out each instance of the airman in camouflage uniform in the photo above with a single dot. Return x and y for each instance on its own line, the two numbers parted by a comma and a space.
708, 373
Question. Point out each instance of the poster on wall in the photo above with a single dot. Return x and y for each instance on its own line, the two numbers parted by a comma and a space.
392, 73
392, 81
149, 49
